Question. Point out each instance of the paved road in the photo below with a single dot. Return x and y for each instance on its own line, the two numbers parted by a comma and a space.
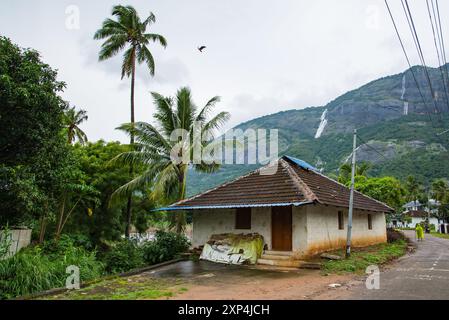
422, 275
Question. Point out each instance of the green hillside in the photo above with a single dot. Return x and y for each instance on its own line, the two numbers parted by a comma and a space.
390, 117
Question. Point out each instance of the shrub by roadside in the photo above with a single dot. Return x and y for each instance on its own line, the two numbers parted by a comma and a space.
43, 267
166, 246
123, 256
361, 258
395, 235
128, 254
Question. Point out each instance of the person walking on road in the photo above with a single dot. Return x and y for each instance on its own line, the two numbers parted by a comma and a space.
419, 232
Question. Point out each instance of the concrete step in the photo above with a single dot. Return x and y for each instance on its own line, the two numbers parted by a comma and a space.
281, 263
278, 253
275, 257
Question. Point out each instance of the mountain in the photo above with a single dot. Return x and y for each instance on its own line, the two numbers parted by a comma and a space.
398, 132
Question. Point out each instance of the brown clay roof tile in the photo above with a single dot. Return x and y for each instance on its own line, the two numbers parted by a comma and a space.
292, 184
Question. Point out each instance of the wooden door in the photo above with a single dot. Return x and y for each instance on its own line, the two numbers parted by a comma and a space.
281, 228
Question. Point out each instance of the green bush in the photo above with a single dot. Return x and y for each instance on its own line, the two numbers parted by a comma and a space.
5, 242
43, 267
123, 256
166, 246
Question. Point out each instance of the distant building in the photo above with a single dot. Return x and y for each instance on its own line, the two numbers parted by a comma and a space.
431, 206
415, 213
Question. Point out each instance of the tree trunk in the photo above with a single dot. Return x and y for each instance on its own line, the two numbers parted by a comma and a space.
61, 216
42, 229
180, 215
129, 203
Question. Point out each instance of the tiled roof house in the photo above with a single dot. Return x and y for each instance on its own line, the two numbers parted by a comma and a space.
294, 207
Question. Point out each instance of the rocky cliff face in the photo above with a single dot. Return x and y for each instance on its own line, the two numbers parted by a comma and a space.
390, 116
386, 99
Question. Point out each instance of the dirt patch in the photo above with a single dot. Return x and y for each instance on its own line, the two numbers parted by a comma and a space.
286, 285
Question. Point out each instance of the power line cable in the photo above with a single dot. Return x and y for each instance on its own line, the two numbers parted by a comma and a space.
442, 38
372, 148
440, 62
441, 42
408, 62
420, 52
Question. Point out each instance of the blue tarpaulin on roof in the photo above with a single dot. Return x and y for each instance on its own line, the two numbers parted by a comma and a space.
302, 163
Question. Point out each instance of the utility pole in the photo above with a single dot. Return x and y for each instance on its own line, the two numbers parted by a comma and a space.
351, 198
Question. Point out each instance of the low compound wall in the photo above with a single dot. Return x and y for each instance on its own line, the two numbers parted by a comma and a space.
19, 238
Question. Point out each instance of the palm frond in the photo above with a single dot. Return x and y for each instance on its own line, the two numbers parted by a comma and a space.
82, 137
148, 21
110, 28
80, 117
144, 55
167, 182
137, 183
216, 122
127, 64
155, 38
185, 108
112, 46
202, 115
146, 133
138, 158
164, 113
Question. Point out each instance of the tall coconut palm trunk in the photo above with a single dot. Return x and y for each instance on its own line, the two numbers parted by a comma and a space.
180, 215
129, 29
130, 200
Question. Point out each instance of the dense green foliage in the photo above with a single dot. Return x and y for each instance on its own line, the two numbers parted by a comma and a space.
44, 267
107, 219
5, 242
123, 256
128, 254
166, 246
34, 156
387, 190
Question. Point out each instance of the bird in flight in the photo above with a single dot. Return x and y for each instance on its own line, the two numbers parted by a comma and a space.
201, 48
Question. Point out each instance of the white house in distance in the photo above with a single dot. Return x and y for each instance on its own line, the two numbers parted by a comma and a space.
418, 213
420, 216
431, 207
298, 211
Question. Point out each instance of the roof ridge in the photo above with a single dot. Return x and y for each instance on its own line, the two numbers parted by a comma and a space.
297, 181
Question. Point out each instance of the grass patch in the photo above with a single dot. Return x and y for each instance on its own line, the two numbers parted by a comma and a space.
440, 235
361, 258
133, 288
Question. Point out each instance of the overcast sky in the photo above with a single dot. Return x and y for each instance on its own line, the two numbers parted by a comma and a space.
262, 56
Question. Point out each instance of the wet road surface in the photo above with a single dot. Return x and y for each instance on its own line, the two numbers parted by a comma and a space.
422, 275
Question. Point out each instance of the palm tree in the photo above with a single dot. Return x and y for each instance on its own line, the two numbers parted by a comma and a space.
440, 192
129, 30
155, 147
346, 169
414, 190
72, 120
